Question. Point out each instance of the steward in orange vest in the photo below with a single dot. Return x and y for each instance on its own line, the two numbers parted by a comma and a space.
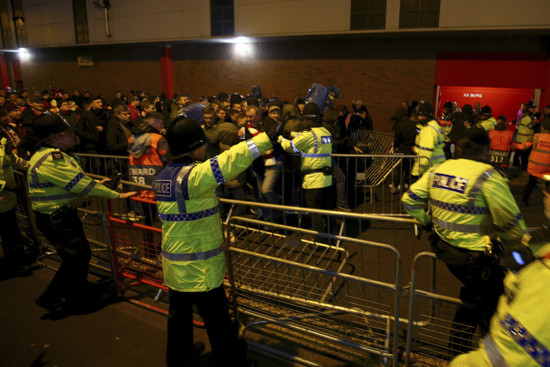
539, 159
501, 144
147, 148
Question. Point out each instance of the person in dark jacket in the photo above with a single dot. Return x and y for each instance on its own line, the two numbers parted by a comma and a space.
404, 139
119, 130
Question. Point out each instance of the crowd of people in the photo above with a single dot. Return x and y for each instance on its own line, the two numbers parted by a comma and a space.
190, 153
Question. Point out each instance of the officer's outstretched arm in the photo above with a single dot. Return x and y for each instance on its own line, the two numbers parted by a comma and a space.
227, 165
63, 173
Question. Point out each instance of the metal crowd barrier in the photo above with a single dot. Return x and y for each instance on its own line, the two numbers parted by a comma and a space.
343, 286
431, 314
311, 282
367, 183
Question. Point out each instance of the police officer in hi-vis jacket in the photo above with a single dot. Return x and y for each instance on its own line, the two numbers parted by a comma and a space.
56, 183
471, 204
429, 142
519, 334
193, 261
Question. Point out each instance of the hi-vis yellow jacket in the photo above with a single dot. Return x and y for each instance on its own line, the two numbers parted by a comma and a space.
429, 143
192, 257
519, 335
56, 179
8, 162
315, 147
470, 203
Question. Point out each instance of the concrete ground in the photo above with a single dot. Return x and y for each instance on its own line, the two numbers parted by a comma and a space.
123, 334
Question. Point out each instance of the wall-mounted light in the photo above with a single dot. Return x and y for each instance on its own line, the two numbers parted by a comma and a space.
242, 47
24, 54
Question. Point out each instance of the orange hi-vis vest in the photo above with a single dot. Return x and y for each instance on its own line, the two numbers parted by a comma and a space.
501, 147
145, 168
539, 159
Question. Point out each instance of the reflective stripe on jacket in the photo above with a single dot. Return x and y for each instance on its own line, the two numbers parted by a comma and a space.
315, 147
56, 179
519, 334
429, 143
192, 260
8, 162
457, 191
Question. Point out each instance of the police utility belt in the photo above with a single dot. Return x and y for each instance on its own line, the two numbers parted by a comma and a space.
457, 256
327, 171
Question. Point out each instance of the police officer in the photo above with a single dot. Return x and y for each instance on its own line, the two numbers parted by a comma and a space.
519, 333
470, 203
315, 147
487, 122
192, 258
430, 140
12, 245
56, 182
525, 132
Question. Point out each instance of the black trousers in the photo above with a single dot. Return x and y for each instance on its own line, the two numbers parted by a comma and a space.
213, 307
65, 232
531, 183
12, 241
482, 278
318, 199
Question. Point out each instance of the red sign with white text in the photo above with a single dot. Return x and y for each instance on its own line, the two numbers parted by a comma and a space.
503, 101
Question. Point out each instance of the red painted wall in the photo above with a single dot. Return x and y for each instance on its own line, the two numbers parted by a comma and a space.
509, 70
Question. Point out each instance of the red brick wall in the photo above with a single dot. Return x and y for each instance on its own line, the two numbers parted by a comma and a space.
381, 84
104, 77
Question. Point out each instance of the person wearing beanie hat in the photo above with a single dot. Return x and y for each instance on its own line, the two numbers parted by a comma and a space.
539, 159
470, 205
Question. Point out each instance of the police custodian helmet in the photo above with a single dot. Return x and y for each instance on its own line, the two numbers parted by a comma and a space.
424, 109
184, 135
47, 125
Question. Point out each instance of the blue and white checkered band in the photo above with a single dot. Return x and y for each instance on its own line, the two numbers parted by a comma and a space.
326, 139
162, 188
294, 149
526, 341
187, 217
216, 170
466, 209
448, 182
74, 181
413, 196
324, 155
41, 185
